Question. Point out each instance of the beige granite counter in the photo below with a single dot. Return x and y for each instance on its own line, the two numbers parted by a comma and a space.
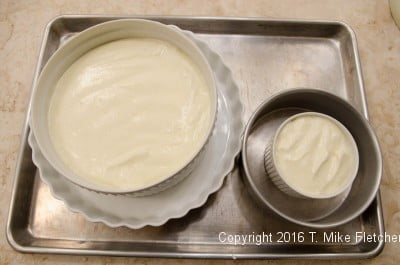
21, 26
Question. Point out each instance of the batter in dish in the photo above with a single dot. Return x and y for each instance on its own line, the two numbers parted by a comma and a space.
130, 113
314, 155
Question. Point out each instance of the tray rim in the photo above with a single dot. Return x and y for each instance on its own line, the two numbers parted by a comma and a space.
57, 250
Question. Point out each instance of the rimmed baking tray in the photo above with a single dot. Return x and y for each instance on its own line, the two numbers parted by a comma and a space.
265, 56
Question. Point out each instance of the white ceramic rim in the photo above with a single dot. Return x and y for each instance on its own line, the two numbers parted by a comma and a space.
350, 180
69, 174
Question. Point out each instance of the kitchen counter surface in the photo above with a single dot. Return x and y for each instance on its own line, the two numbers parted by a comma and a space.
21, 27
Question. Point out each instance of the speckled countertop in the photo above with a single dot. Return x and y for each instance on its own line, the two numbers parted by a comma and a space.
21, 27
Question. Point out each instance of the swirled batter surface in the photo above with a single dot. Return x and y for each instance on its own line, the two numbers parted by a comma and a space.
129, 113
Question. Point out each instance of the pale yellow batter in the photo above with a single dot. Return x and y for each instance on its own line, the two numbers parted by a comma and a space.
130, 113
315, 155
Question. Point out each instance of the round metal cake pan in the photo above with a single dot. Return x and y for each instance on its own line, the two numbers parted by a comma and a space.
310, 212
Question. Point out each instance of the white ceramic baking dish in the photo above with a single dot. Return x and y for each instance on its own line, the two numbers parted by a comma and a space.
82, 43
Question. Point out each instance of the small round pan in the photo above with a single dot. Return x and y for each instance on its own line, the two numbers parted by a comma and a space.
317, 213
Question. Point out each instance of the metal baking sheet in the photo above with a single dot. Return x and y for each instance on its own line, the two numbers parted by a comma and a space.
265, 56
